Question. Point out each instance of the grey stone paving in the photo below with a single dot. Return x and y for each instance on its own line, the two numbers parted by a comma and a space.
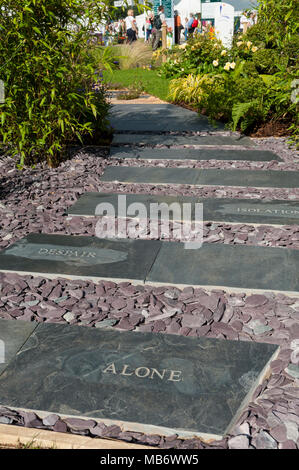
218, 210
170, 140
202, 177
13, 335
244, 267
137, 111
193, 154
190, 385
84, 257
157, 118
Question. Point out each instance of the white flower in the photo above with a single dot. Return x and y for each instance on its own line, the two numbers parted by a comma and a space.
215, 63
224, 52
249, 44
239, 43
227, 66
254, 48
232, 65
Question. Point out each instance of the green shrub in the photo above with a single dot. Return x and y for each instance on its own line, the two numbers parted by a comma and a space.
196, 56
48, 75
267, 61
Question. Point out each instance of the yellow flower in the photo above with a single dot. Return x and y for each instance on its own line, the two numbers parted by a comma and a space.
254, 49
249, 44
182, 46
224, 52
232, 65
239, 43
227, 66
215, 63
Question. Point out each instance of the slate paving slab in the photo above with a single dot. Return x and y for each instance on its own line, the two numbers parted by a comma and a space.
152, 261
157, 117
194, 124
230, 266
83, 257
217, 210
152, 111
171, 140
13, 335
142, 381
193, 154
202, 177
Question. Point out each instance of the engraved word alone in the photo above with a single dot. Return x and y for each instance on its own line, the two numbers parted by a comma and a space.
145, 372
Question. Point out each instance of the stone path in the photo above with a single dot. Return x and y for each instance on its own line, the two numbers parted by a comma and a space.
270, 417
215, 210
192, 154
196, 177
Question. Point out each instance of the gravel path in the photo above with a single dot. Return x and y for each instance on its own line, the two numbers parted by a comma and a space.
35, 200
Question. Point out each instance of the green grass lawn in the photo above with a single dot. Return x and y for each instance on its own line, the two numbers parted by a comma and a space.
148, 79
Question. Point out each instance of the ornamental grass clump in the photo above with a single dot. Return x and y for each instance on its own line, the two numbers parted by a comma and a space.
137, 54
49, 76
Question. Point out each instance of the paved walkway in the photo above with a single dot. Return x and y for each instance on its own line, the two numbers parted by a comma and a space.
231, 292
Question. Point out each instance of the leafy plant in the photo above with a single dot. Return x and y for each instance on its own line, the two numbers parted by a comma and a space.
105, 58
49, 77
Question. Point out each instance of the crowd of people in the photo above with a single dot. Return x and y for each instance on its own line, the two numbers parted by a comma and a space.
126, 30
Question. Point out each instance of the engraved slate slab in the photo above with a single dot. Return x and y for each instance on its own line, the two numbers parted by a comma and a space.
234, 266
217, 210
13, 334
124, 205
170, 140
142, 381
84, 257
193, 154
195, 176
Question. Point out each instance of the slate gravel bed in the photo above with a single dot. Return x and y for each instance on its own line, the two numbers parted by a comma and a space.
269, 421
205, 164
278, 145
35, 200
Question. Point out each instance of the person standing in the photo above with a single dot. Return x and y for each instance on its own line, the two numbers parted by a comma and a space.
190, 25
149, 26
177, 27
186, 29
158, 21
244, 23
131, 27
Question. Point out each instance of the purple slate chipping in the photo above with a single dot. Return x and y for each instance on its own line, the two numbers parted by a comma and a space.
40, 204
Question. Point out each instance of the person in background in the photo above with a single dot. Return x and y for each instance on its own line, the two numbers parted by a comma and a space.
149, 26
121, 31
131, 27
158, 21
252, 19
189, 25
186, 29
177, 27
243, 23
